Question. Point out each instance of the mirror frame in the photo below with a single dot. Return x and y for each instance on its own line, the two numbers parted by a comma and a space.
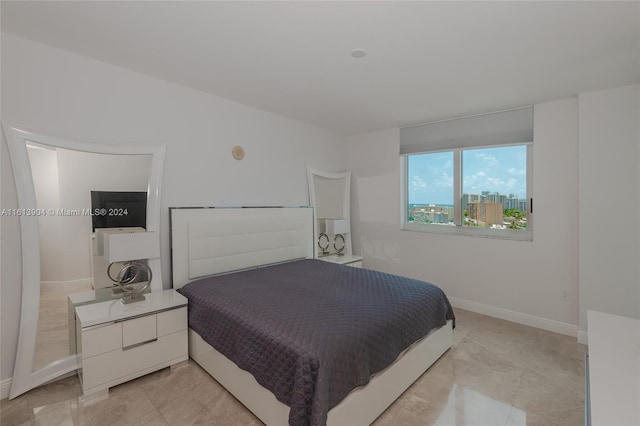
346, 203
24, 377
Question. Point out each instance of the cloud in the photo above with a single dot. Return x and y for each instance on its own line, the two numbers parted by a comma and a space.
489, 160
444, 180
480, 181
501, 170
418, 183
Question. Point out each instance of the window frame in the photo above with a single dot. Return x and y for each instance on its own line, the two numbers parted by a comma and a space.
459, 229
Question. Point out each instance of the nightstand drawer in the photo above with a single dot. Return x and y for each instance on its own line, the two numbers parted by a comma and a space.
109, 368
100, 339
139, 330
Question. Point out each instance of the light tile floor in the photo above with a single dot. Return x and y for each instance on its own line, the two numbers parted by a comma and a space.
52, 338
496, 373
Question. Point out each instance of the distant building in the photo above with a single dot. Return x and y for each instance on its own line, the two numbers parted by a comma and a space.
469, 198
510, 201
484, 213
522, 205
431, 213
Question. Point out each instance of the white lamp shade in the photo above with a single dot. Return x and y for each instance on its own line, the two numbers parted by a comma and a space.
120, 247
337, 226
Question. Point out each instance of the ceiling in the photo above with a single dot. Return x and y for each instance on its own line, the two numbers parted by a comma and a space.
426, 60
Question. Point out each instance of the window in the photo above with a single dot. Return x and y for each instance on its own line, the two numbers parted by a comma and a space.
431, 194
494, 187
469, 189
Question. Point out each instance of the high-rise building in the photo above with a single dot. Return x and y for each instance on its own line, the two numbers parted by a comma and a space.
485, 214
468, 198
510, 201
522, 205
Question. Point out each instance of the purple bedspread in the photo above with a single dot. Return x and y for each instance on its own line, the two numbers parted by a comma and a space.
312, 331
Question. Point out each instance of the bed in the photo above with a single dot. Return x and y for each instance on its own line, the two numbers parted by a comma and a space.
298, 340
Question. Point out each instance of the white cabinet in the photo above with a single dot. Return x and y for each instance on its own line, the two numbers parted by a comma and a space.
116, 342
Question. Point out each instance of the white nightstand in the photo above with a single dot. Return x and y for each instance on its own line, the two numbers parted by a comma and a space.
347, 259
116, 342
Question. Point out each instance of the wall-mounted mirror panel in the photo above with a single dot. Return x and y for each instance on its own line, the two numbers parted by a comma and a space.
329, 194
55, 180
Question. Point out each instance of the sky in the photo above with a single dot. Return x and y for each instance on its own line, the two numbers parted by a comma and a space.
502, 170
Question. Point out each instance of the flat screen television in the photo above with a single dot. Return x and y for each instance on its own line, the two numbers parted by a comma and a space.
117, 209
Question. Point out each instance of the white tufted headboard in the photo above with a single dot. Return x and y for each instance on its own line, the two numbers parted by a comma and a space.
211, 241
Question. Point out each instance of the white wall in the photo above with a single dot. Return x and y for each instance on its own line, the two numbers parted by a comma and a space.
520, 281
63, 180
50, 91
609, 153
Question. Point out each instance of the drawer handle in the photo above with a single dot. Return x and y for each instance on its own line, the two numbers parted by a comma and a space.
92, 327
140, 344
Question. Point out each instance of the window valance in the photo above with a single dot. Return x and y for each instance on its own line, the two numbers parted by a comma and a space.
514, 126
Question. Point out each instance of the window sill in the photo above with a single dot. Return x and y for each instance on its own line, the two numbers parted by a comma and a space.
500, 234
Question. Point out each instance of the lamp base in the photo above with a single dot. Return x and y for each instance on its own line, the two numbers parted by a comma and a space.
132, 298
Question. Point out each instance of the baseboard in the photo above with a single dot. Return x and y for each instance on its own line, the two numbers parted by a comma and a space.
518, 317
5, 387
583, 337
82, 282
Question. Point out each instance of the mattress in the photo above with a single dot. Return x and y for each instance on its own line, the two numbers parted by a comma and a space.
311, 331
